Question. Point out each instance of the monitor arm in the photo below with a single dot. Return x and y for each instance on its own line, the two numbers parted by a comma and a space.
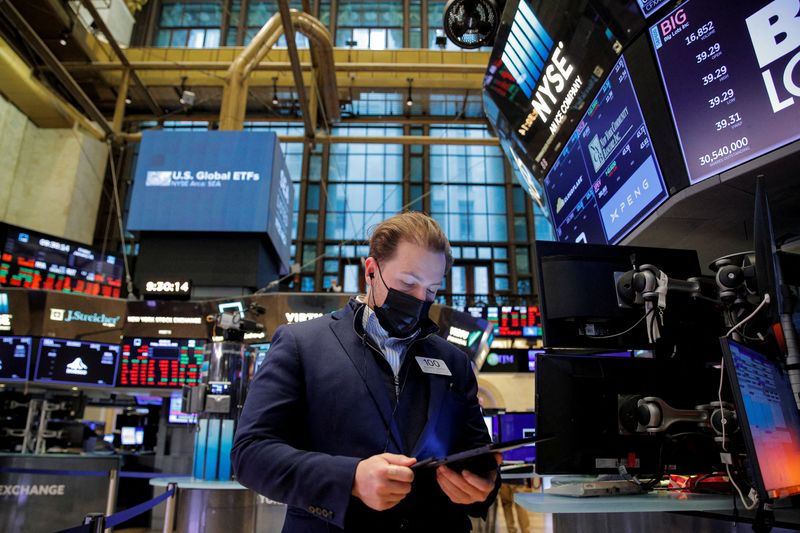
651, 414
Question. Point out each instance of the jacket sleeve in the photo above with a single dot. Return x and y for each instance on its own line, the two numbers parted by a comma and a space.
475, 434
268, 454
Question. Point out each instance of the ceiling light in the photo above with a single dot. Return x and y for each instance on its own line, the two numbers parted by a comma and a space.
63, 36
275, 100
128, 101
409, 100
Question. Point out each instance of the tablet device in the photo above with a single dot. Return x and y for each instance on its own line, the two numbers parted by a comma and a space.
478, 460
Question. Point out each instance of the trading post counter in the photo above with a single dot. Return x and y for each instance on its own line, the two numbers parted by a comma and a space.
53, 492
220, 506
655, 511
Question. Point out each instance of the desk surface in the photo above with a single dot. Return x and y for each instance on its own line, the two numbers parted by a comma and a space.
642, 503
192, 483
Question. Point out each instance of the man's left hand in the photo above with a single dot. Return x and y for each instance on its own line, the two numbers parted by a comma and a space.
466, 487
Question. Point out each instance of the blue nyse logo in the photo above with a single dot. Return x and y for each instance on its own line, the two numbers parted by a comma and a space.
527, 49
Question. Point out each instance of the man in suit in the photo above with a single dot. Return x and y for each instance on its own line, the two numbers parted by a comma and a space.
347, 403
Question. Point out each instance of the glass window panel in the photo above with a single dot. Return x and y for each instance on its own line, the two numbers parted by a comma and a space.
361, 37
415, 169
501, 284
331, 265
414, 38
212, 39
498, 229
480, 231
500, 253
295, 219
458, 276
437, 168
456, 250
519, 199
484, 252
468, 252
438, 199
442, 219
501, 268
171, 15
307, 284
481, 280
496, 199
334, 226
522, 261
179, 38
309, 254
351, 275
348, 251
162, 38
377, 39
394, 39
523, 286
362, 251
520, 229
312, 226
312, 197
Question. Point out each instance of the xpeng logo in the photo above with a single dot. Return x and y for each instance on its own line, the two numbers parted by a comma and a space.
629, 200
527, 50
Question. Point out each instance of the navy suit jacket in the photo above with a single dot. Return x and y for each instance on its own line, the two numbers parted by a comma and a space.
319, 405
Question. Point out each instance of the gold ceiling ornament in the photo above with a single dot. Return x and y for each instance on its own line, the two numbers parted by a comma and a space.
135, 5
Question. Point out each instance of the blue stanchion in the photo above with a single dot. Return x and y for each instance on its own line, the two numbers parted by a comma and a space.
123, 516
136, 510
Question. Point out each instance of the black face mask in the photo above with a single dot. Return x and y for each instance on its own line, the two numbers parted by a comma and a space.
400, 313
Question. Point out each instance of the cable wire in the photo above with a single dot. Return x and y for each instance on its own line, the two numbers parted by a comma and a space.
627, 330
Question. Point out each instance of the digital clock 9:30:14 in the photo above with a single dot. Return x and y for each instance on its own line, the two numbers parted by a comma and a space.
167, 287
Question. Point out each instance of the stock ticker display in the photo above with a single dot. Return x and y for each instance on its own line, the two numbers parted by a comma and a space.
732, 79
15, 355
606, 178
36, 261
160, 363
511, 321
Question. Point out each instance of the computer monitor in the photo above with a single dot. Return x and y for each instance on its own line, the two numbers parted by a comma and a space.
15, 353
581, 306
128, 436
160, 363
518, 426
578, 403
492, 426
767, 413
176, 415
76, 362
260, 354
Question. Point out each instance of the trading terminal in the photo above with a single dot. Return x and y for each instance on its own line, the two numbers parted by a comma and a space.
617, 180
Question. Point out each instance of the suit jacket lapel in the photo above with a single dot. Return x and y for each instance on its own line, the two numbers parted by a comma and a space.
366, 366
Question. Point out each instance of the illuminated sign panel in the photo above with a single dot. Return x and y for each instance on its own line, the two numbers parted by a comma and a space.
36, 261
606, 178
732, 76
160, 363
76, 362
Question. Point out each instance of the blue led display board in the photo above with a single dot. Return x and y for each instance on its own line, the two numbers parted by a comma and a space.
606, 179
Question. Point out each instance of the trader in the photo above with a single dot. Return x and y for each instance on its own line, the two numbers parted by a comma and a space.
347, 403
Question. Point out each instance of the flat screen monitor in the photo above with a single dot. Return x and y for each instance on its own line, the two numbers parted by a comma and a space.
15, 354
606, 179
730, 76
514, 321
260, 350
37, 261
767, 413
139, 436
518, 426
76, 362
127, 436
649, 7
160, 363
581, 308
577, 402
492, 426
176, 416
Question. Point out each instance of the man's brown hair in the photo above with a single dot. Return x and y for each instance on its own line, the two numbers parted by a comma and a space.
414, 227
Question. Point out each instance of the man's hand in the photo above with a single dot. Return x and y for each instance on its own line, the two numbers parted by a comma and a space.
383, 480
466, 487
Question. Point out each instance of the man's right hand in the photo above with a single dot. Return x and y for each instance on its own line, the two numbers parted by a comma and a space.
383, 480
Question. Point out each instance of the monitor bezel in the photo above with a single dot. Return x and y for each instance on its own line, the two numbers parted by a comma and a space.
35, 378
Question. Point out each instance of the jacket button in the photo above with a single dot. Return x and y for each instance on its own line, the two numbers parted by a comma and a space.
404, 524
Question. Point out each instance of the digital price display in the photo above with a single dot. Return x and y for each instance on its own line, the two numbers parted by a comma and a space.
76, 362
160, 363
167, 288
36, 261
515, 321
15, 354
732, 80
606, 179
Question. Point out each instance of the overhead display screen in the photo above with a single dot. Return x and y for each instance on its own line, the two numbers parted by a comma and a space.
15, 354
511, 321
546, 67
649, 7
76, 362
160, 363
37, 261
606, 179
732, 79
